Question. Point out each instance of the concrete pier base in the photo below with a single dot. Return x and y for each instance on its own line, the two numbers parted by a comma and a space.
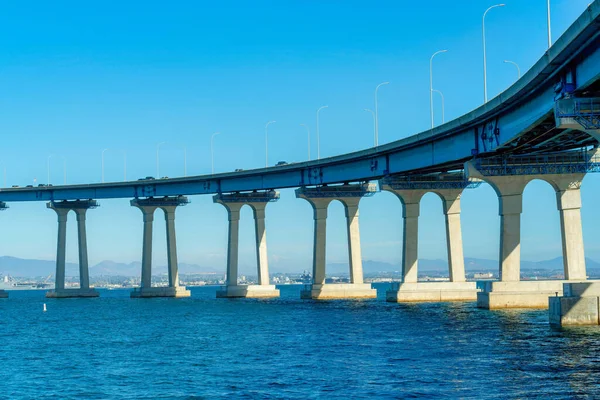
580, 305
148, 292
432, 292
3, 294
524, 294
248, 291
338, 291
71, 293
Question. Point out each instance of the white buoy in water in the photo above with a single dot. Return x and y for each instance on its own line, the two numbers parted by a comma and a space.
45, 307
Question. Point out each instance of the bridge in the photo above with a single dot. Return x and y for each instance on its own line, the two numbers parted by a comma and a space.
546, 126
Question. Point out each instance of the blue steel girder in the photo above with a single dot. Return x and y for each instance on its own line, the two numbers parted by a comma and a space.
338, 191
252, 197
430, 182
166, 201
570, 163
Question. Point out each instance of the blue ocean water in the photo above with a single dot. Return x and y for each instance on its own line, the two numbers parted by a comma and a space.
203, 347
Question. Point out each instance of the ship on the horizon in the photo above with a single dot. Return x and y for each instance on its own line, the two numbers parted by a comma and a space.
7, 282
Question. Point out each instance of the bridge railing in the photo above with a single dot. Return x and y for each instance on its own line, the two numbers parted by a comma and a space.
584, 111
540, 164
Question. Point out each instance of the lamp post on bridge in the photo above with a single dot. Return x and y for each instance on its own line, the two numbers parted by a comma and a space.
267, 143
212, 154
377, 113
308, 136
516, 65
485, 96
318, 137
431, 84
549, 27
443, 106
374, 125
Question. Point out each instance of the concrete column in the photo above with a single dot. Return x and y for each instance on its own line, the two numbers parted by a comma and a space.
410, 253
148, 213
320, 237
61, 248
262, 262
456, 259
171, 246
84, 274
510, 199
354, 251
511, 207
233, 212
568, 199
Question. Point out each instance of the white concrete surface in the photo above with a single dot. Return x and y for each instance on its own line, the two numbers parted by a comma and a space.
71, 293
248, 291
432, 292
149, 292
338, 291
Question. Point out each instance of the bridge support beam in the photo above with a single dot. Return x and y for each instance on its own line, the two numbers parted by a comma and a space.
62, 210
233, 203
579, 305
449, 188
510, 291
148, 206
320, 198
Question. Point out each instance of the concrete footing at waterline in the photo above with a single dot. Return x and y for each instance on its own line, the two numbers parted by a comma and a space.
579, 305
71, 293
150, 292
3, 294
431, 292
248, 291
521, 294
338, 291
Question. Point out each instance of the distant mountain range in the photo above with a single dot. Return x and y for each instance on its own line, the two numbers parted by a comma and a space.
35, 268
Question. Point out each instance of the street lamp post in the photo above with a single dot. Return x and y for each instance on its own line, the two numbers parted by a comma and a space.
374, 126
318, 137
549, 27
103, 151
485, 97
442, 96
64, 168
212, 154
308, 137
267, 143
377, 114
158, 159
431, 84
516, 65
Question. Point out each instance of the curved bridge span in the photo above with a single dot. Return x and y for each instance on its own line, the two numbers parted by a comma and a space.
545, 126
520, 121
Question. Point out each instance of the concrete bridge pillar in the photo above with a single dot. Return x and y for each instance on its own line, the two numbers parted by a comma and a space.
233, 203
148, 206
84, 275
320, 198
410, 200
454, 242
449, 188
354, 252
260, 232
62, 210
568, 200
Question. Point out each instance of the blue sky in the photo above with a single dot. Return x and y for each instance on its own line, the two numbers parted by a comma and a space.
77, 78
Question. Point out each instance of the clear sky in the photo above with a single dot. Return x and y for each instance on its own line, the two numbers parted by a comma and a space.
78, 77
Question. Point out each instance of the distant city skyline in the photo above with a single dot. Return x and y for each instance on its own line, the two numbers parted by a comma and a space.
80, 79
